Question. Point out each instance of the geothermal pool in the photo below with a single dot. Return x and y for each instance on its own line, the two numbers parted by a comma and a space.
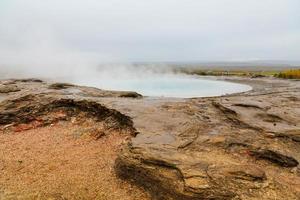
168, 86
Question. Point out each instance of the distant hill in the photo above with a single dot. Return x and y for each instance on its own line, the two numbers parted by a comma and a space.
224, 65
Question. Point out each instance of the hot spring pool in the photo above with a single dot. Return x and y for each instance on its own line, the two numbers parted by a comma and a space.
169, 86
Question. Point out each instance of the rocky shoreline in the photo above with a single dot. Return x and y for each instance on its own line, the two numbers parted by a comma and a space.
238, 146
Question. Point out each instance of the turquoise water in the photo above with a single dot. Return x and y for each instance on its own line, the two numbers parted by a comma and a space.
169, 86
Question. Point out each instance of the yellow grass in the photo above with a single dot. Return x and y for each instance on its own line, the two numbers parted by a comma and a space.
290, 74
287, 74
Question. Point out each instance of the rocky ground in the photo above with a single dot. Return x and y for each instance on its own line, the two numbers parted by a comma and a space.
61, 141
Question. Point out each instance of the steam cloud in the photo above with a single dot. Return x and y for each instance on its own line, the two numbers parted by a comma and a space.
66, 39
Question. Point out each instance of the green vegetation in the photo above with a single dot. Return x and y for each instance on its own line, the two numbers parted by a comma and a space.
288, 74
243, 73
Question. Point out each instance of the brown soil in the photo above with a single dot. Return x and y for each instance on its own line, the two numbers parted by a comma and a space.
61, 161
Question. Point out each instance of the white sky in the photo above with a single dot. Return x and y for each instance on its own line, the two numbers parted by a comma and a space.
78, 32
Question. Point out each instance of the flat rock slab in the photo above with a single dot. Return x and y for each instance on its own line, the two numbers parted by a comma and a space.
242, 146
239, 146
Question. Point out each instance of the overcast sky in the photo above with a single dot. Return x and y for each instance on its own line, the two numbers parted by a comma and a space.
35, 32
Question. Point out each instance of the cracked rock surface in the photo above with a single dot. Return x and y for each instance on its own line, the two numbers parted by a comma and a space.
239, 146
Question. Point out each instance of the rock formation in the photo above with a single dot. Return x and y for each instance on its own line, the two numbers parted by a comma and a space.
240, 146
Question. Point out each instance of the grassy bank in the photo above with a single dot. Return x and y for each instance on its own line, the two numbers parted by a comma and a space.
289, 74
286, 74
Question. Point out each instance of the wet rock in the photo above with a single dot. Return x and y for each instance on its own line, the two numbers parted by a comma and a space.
95, 92
233, 116
230, 156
